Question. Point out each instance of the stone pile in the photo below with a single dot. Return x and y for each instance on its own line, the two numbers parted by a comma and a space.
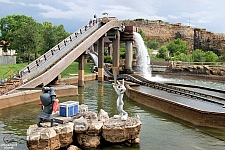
197, 69
49, 138
87, 128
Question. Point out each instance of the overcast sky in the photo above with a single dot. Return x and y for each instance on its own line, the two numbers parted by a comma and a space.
74, 14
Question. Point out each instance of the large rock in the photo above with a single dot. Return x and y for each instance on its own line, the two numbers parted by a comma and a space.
94, 128
80, 125
88, 140
103, 115
114, 130
49, 138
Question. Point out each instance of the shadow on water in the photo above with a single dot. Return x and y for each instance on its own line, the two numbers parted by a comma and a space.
159, 130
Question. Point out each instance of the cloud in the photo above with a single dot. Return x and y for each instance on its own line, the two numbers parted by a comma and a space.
207, 13
6, 1
173, 17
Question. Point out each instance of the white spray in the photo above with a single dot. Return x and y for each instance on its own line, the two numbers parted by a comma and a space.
144, 59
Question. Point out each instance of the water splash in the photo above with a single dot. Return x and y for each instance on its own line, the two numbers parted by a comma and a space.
144, 59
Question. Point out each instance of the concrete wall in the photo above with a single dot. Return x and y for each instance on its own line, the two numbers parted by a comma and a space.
21, 97
4, 60
195, 116
74, 80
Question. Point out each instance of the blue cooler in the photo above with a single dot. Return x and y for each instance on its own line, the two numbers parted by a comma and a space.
68, 109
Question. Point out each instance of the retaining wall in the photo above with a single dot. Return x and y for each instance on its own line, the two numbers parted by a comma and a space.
21, 97
184, 112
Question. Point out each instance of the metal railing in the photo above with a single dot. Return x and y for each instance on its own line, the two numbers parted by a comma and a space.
49, 54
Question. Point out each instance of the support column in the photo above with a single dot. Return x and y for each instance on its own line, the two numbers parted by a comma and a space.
129, 56
85, 58
101, 60
110, 49
116, 53
81, 70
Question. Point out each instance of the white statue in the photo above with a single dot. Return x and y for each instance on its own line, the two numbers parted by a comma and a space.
120, 89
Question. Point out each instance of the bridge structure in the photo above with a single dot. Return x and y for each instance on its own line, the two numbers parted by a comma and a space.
106, 31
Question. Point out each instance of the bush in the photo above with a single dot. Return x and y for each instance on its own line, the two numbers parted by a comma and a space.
107, 59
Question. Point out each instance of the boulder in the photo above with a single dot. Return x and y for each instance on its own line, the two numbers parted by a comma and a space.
49, 138
94, 128
103, 115
115, 130
80, 125
88, 140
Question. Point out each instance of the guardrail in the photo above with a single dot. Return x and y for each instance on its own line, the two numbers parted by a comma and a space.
49, 54
209, 64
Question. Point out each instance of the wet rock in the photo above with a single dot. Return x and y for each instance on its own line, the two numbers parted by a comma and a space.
83, 108
88, 140
114, 130
94, 128
72, 147
80, 125
103, 115
49, 137
65, 132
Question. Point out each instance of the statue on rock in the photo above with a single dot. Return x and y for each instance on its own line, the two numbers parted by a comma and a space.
49, 104
120, 89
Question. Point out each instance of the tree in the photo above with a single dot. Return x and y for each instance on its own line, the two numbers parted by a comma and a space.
142, 34
177, 46
163, 52
152, 44
198, 55
22, 34
210, 56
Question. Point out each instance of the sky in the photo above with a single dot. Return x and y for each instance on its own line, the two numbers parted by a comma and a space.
74, 14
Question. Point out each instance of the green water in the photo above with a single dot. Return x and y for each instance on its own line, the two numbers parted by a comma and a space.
159, 131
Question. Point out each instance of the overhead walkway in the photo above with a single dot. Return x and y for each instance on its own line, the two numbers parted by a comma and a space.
48, 66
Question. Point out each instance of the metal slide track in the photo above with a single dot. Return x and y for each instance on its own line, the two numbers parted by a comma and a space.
48, 66
173, 89
94, 57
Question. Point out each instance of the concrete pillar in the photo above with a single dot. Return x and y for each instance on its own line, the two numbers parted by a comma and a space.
116, 53
129, 56
81, 71
101, 60
110, 49
85, 58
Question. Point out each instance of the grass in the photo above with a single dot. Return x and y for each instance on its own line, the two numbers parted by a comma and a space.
4, 70
72, 69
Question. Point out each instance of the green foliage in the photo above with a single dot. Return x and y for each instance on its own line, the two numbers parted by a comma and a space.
163, 52
182, 57
142, 34
210, 56
13, 67
198, 55
122, 53
152, 44
176, 47
107, 59
221, 58
73, 69
139, 19
29, 38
